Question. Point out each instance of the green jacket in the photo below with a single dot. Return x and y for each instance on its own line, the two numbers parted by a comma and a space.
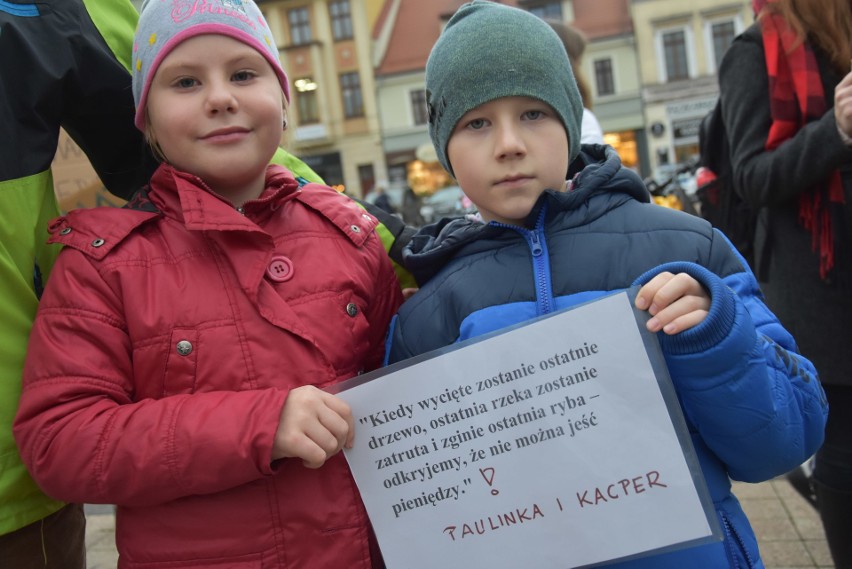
62, 64
58, 67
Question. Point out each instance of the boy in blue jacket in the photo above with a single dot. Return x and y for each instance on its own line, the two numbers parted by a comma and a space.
504, 116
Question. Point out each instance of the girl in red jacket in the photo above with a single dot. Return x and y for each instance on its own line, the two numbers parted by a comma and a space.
177, 362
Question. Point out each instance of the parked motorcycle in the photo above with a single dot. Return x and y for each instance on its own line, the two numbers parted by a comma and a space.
670, 191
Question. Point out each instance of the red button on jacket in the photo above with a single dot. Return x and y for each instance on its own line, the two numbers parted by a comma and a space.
280, 269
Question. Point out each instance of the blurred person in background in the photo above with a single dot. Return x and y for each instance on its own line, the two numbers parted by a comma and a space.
786, 95
382, 200
575, 44
411, 208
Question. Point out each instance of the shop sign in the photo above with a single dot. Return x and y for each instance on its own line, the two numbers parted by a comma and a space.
686, 129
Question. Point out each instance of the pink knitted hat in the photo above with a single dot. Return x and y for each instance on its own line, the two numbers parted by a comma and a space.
164, 24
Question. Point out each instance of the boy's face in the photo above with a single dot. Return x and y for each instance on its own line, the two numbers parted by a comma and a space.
505, 153
215, 107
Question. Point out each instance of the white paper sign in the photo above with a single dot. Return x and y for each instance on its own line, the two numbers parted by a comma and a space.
549, 446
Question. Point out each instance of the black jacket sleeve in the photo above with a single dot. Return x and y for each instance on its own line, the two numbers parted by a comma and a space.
57, 70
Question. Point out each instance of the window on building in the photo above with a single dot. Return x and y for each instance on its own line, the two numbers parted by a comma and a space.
625, 144
722, 35
604, 81
367, 178
305, 94
419, 113
350, 88
300, 26
545, 9
341, 20
675, 54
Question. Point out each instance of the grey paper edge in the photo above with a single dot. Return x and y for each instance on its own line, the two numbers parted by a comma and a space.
667, 390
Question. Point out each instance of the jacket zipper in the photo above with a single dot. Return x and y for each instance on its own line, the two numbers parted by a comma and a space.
545, 302
731, 532
538, 247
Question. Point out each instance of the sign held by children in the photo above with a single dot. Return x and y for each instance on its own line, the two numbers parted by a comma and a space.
556, 444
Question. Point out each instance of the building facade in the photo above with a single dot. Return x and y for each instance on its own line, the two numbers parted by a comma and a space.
679, 47
407, 29
610, 68
356, 67
333, 122
402, 38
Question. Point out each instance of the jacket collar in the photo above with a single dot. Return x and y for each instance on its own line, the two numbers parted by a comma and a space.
187, 198
597, 171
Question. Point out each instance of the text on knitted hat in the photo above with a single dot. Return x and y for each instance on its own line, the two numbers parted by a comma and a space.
182, 12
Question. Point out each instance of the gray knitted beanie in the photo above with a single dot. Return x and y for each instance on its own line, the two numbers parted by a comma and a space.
488, 51
164, 24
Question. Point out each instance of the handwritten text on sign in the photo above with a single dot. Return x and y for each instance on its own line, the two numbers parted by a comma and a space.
547, 446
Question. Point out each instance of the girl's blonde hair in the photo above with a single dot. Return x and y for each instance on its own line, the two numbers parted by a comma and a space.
151, 139
827, 24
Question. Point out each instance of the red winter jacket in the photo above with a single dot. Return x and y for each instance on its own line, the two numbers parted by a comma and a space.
163, 351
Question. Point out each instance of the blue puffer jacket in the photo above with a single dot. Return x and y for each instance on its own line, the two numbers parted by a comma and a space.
754, 406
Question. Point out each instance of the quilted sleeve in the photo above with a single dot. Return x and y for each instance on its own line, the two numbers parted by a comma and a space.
84, 435
752, 398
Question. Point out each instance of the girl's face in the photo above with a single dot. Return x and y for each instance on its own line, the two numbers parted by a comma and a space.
505, 153
215, 108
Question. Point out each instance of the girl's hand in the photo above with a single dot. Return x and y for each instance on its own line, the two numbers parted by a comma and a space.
314, 426
676, 302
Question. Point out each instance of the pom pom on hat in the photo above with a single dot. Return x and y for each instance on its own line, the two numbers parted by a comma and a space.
488, 51
164, 24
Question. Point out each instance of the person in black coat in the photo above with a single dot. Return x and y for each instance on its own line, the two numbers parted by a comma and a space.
794, 161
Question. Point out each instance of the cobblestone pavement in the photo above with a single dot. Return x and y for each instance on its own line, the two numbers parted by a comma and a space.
788, 529
100, 537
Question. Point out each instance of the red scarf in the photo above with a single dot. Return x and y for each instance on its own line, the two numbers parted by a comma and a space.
796, 96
